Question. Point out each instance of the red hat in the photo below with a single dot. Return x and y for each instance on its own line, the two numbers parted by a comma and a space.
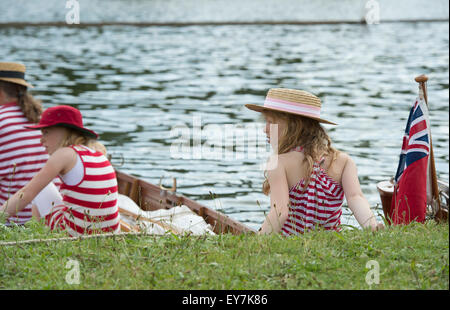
66, 116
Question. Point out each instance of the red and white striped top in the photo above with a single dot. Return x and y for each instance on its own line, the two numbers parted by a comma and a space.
320, 205
90, 206
21, 155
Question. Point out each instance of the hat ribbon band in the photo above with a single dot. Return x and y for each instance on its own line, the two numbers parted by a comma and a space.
12, 74
292, 107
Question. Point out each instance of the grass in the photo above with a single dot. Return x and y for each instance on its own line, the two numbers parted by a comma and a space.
409, 257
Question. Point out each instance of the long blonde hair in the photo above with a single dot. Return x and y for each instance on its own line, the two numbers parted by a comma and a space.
30, 106
74, 137
305, 132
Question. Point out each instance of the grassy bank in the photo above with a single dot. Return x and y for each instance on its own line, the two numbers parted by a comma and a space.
409, 257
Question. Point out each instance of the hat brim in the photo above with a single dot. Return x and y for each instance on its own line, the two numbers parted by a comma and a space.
87, 132
259, 108
17, 81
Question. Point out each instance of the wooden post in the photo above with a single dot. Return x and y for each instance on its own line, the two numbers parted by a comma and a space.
441, 215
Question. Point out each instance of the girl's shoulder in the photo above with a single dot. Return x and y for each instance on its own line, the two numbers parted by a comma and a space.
338, 161
335, 168
64, 158
286, 159
342, 157
285, 164
292, 155
64, 152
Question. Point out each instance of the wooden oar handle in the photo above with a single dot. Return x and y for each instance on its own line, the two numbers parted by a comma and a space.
421, 78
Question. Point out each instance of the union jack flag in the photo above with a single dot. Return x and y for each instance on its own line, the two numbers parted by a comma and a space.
416, 142
410, 191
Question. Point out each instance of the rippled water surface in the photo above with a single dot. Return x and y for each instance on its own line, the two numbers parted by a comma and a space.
134, 85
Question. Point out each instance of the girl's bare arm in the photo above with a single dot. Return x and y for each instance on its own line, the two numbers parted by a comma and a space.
59, 161
279, 200
356, 201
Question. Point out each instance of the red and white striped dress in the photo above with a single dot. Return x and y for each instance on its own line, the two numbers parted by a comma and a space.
318, 206
21, 155
91, 205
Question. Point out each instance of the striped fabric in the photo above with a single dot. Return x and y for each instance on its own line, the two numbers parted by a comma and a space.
318, 206
294, 107
90, 206
21, 156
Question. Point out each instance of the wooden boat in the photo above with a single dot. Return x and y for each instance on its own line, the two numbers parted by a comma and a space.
386, 191
150, 197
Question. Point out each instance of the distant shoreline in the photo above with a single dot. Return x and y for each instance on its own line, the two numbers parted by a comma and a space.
206, 23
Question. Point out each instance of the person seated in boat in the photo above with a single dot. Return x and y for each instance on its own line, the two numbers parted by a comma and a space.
307, 178
21, 152
88, 199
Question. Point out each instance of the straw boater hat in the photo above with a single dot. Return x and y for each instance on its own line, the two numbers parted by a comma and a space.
291, 101
14, 73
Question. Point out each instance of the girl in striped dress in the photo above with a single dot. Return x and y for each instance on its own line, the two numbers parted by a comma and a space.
21, 152
307, 178
88, 199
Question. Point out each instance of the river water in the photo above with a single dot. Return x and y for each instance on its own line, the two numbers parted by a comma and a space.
145, 89
188, 11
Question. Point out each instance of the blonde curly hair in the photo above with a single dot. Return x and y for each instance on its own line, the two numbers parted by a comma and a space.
305, 132
74, 137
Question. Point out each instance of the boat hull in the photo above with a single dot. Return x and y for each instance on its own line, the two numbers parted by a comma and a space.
386, 191
150, 197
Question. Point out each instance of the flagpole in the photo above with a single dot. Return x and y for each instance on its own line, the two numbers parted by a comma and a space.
440, 215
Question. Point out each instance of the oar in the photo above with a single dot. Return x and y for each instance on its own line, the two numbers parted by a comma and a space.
441, 215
